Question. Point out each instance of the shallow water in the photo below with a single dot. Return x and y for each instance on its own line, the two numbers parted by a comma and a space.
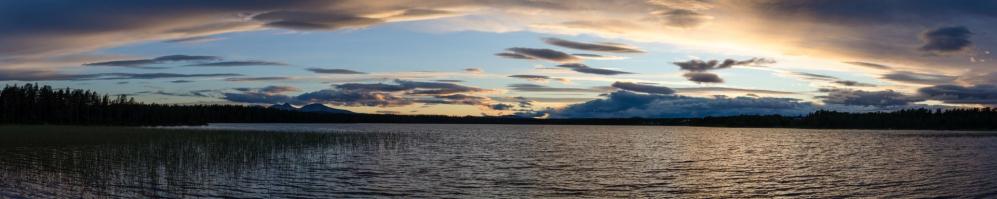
461, 161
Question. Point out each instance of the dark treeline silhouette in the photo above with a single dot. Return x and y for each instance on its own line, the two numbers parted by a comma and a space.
34, 104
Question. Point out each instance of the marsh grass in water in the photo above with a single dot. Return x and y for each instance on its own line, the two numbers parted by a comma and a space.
74, 161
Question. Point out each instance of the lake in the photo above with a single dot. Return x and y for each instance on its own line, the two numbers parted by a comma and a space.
493, 161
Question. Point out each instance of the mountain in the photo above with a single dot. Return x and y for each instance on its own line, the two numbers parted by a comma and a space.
322, 108
285, 106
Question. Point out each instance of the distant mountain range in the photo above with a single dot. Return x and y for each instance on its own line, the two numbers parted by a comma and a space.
311, 108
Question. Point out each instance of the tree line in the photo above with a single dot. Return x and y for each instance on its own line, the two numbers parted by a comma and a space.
35, 104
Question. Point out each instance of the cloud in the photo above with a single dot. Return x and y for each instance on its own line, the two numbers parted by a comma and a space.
513, 55
985, 94
265, 95
193, 40
831, 79
22, 75
542, 88
643, 88
195, 93
727, 89
597, 57
279, 89
539, 78
870, 65
333, 71
353, 98
919, 78
622, 104
303, 20
413, 87
501, 107
867, 98
539, 53
241, 63
697, 68
946, 39
256, 98
601, 47
696, 65
531, 77
703, 77
402, 93
436, 88
582, 68
473, 70
682, 18
249, 79
181, 81
853, 83
138, 63
449, 80
812, 76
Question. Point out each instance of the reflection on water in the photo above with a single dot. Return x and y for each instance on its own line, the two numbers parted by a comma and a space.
411, 160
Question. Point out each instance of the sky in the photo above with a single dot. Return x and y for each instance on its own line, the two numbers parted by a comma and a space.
529, 58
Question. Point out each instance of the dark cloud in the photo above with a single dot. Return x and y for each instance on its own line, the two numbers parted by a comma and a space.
601, 47
538, 53
279, 89
870, 65
946, 39
542, 88
372, 87
853, 83
55, 76
436, 88
354, 98
582, 68
875, 13
812, 76
412, 87
513, 55
597, 57
501, 107
867, 98
462, 99
241, 63
727, 89
181, 81
194, 93
106, 76
623, 104
303, 20
696, 65
643, 88
157, 60
919, 78
249, 79
531, 77
379, 94
683, 18
473, 70
333, 71
197, 39
831, 79
703, 77
985, 94
257, 98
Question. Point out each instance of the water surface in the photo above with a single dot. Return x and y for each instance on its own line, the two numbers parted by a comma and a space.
461, 161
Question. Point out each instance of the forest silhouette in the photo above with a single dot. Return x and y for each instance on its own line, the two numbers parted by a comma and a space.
36, 104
